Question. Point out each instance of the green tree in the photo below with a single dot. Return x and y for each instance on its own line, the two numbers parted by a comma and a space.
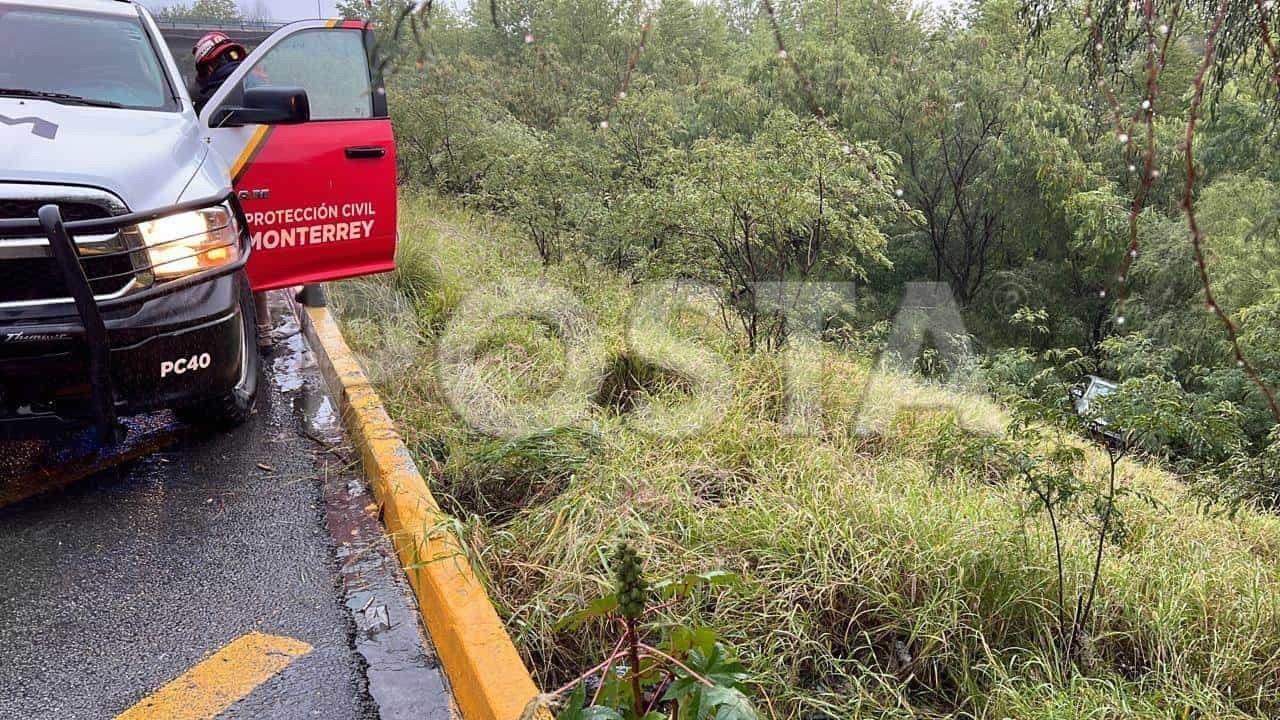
201, 10
383, 13
718, 141
796, 203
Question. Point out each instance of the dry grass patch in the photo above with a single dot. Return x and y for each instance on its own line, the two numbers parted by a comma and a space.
888, 571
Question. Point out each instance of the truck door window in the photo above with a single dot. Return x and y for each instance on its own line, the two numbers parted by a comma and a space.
100, 58
331, 65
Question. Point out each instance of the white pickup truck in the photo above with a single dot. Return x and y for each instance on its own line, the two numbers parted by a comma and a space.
134, 230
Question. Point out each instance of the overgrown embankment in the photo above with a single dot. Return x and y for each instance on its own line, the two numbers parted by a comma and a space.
899, 572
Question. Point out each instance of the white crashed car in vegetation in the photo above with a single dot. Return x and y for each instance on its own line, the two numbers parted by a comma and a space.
1083, 394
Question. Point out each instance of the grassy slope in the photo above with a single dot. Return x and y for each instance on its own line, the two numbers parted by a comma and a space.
886, 575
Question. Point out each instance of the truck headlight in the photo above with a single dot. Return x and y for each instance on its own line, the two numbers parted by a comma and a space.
192, 241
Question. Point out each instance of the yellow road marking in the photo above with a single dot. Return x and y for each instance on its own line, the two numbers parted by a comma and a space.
219, 681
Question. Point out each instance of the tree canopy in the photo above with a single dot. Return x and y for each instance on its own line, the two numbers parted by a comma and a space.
1031, 154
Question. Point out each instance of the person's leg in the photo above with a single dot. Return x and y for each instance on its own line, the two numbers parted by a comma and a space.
264, 320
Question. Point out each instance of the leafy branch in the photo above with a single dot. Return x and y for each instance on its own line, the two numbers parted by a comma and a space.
1188, 207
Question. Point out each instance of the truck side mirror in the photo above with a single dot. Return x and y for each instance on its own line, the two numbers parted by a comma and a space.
266, 105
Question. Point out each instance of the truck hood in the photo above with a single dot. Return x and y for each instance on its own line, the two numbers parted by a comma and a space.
146, 158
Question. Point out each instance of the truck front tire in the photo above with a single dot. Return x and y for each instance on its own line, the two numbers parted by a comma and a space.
234, 408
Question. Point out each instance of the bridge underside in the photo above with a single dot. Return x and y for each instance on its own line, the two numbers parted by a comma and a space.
182, 36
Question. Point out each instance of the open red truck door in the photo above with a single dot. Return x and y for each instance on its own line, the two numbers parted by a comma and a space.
319, 195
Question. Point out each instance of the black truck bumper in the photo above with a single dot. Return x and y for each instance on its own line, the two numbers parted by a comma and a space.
173, 344
176, 349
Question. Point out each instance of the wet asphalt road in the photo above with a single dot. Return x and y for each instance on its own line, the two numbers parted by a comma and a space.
111, 588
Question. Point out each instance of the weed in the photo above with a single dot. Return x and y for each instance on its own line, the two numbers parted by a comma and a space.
691, 675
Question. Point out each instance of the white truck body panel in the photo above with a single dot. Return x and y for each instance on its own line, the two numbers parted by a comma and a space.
148, 158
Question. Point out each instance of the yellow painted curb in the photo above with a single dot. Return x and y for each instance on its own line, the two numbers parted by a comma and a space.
490, 681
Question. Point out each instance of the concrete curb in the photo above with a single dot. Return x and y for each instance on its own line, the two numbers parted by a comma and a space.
490, 681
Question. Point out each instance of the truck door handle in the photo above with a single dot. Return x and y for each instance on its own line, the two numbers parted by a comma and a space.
366, 152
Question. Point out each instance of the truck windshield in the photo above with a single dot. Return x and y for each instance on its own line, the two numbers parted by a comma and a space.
71, 57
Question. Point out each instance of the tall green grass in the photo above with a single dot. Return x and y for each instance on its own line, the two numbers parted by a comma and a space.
885, 574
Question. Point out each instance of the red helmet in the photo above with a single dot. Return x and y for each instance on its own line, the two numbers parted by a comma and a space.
212, 47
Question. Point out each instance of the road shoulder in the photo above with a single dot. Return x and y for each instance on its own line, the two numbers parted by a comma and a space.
489, 679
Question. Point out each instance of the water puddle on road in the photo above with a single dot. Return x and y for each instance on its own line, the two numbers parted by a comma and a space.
33, 467
405, 677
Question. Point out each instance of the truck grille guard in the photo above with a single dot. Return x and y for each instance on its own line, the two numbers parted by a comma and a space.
61, 238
